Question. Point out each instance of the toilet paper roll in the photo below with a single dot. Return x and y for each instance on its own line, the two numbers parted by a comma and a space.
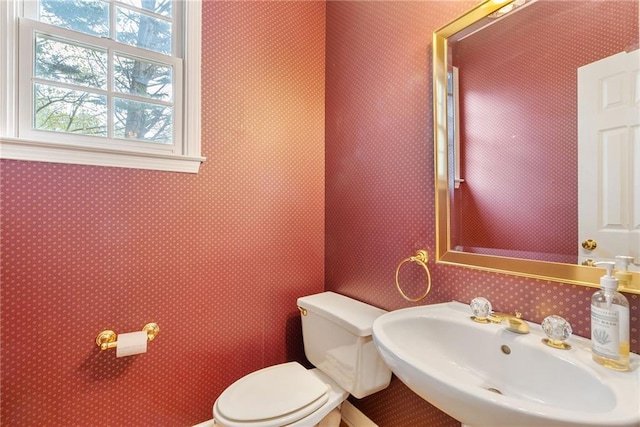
131, 343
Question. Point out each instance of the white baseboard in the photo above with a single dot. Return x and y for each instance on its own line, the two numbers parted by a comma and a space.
353, 417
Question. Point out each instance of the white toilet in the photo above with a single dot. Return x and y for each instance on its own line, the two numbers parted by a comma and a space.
337, 340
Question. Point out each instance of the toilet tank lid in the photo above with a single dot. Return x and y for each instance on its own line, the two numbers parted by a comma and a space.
355, 316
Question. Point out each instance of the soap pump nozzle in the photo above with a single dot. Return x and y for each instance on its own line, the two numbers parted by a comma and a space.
625, 261
624, 276
608, 281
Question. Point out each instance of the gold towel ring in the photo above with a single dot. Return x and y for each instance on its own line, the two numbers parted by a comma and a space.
420, 258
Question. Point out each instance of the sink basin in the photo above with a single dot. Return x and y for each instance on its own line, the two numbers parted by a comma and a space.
486, 376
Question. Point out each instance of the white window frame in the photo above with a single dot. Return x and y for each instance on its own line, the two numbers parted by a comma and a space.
182, 156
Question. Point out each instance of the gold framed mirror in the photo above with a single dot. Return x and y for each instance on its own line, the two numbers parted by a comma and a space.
447, 251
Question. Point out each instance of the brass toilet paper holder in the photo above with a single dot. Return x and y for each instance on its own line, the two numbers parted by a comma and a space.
108, 339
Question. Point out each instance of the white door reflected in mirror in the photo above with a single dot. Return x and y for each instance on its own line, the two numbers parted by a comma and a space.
609, 158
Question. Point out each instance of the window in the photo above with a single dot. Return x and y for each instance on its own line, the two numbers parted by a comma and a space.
101, 82
453, 126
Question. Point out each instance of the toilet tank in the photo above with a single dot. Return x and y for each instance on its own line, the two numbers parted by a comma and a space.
337, 339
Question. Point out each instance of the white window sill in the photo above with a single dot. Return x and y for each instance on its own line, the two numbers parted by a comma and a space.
21, 149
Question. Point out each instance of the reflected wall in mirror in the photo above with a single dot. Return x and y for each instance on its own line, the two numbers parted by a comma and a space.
507, 190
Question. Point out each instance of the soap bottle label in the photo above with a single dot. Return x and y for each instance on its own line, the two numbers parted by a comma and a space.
605, 332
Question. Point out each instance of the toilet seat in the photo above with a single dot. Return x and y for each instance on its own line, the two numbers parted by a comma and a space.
273, 396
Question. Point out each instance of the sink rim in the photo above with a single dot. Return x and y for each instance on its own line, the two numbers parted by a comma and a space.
624, 411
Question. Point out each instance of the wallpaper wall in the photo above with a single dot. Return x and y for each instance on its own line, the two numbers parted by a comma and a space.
217, 259
380, 188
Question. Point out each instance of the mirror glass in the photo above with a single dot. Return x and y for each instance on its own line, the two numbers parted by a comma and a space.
514, 188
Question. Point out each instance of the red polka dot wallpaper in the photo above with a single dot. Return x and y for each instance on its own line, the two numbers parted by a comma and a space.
379, 186
217, 259
317, 128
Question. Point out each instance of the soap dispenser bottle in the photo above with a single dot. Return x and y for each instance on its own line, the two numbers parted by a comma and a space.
610, 323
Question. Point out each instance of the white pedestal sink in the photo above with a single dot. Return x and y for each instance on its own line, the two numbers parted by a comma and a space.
486, 376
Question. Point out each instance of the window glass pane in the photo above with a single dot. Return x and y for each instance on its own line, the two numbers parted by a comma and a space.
69, 63
141, 30
87, 16
65, 110
161, 7
143, 121
143, 78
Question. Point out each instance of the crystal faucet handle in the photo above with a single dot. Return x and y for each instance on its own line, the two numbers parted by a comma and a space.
558, 330
481, 309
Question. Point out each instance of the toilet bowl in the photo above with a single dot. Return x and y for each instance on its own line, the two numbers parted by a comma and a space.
298, 397
337, 340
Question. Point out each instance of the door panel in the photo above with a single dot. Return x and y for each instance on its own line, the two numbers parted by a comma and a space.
609, 157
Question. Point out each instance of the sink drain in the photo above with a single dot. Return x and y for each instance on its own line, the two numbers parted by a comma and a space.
494, 390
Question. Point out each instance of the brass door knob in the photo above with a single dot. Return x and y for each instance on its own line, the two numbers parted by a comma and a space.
589, 263
589, 244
